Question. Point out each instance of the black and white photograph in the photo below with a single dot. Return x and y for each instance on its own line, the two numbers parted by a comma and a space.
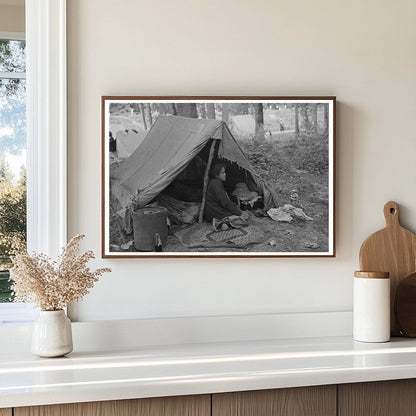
218, 176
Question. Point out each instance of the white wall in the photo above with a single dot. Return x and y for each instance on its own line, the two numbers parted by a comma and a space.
12, 18
363, 52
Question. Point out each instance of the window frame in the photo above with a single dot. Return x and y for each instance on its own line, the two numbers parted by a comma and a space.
46, 138
46, 125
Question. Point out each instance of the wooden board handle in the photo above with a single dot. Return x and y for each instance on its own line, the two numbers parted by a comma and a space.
391, 214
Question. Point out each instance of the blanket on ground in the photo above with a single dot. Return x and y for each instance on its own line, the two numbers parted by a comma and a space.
202, 235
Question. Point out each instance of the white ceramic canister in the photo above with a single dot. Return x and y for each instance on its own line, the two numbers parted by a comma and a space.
371, 309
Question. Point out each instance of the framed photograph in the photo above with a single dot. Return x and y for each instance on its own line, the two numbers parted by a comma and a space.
218, 176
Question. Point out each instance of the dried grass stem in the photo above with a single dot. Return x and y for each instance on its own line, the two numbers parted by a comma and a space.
53, 285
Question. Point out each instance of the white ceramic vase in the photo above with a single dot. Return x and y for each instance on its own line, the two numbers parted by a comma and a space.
52, 334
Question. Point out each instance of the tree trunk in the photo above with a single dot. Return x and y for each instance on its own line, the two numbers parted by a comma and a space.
306, 117
187, 110
315, 117
149, 109
259, 120
297, 119
211, 111
225, 112
143, 116
193, 111
326, 117
202, 110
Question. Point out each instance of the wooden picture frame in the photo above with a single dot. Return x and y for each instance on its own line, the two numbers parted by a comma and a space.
165, 192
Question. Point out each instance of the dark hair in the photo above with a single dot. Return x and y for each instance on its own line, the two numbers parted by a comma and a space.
215, 169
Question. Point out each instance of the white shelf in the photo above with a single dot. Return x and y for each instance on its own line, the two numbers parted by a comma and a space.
151, 371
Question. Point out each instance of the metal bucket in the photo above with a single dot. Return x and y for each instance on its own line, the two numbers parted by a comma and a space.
146, 223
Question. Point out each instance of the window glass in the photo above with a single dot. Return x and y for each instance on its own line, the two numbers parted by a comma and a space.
12, 156
12, 56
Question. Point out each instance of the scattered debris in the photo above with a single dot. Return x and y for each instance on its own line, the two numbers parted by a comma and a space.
311, 245
287, 213
297, 212
128, 245
279, 214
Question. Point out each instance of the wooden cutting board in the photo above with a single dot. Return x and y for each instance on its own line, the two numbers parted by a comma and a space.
393, 250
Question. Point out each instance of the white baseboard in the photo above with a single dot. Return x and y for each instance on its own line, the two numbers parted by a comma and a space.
111, 335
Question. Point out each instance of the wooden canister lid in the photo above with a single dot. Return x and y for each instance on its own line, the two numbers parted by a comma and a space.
372, 275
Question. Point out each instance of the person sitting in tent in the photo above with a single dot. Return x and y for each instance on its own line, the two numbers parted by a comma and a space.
218, 207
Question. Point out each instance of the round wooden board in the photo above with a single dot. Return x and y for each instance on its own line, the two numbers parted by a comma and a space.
405, 305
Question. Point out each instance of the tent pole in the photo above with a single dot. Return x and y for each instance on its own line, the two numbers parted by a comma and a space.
206, 178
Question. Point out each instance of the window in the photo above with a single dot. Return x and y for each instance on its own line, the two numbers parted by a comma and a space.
46, 135
12, 153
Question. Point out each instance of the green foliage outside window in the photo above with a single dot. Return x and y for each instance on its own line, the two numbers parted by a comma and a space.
12, 224
12, 147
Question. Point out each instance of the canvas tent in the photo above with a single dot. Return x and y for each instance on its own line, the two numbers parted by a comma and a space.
128, 141
171, 147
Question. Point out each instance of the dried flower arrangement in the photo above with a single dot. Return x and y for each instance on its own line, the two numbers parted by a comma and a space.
53, 285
